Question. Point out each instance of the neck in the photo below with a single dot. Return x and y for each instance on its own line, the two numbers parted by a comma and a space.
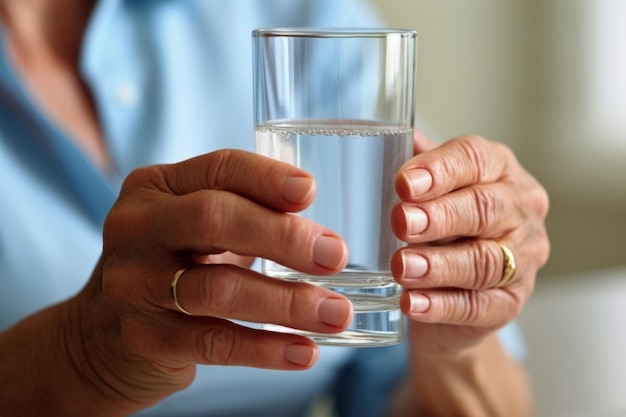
48, 28
43, 41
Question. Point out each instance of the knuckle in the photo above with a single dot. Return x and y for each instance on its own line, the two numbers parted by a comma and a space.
474, 307
441, 217
541, 248
459, 307
220, 295
150, 175
211, 216
218, 176
217, 345
134, 211
294, 232
478, 308
487, 266
137, 176
122, 224
486, 203
293, 306
540, 200
441, 267
506, 151
299, 301
476, 151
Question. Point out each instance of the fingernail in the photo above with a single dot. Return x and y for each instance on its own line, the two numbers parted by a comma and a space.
419, 181
419, 303
414, 266
416, 220
329, 252
297, 189
335, 312
302, 355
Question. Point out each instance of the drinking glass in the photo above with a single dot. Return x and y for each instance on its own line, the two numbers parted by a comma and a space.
339, 103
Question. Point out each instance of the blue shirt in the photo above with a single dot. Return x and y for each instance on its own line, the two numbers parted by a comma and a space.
170, 79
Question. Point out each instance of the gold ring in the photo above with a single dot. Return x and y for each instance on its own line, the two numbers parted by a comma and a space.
508, 269
177, 275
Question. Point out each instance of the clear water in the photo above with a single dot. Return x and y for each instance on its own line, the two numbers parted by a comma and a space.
354, 164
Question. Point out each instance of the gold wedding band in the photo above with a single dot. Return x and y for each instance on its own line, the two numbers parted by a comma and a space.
177, 275
509, 266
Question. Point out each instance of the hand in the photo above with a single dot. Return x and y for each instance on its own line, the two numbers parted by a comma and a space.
184, 216
458, 201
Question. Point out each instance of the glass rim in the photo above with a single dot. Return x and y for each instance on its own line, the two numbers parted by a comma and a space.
332, 32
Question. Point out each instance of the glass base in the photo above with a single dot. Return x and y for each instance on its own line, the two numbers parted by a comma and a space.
364, 331
375, 298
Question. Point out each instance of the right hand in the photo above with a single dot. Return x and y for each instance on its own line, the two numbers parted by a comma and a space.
137, 345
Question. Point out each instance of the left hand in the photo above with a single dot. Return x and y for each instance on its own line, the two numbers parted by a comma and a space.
458, 201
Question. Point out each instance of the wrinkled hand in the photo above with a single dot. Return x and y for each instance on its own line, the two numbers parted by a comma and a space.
185, 215
458, 200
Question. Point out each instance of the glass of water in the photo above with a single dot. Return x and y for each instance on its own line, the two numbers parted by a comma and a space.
339, 103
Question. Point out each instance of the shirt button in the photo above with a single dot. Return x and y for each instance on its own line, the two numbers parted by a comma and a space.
126, 94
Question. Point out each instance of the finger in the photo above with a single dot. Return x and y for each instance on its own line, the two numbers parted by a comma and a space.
485, 308
455, 164
272, 183
472, 264
421, 143
242, 294
214, 341
214, 221
471, 211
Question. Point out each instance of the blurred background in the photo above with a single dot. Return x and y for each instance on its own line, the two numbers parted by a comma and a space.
548, 78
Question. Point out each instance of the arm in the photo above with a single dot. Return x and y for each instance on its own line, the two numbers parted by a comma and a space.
483, 381
42, 368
